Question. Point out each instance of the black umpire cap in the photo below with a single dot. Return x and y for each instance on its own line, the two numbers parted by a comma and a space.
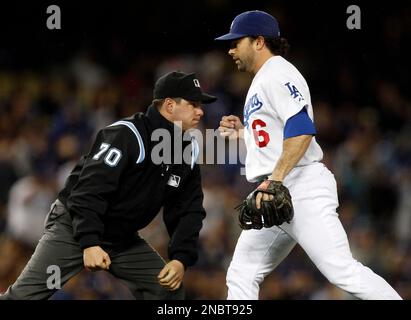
181, 85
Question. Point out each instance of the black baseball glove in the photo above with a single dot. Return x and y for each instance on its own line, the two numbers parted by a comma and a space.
272, 212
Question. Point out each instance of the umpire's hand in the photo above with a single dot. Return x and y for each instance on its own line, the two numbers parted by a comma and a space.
96, 259
171, 276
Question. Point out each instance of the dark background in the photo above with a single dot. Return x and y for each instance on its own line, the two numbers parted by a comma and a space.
115, 31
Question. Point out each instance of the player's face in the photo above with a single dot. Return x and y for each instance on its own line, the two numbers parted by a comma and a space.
188, 113
242, 52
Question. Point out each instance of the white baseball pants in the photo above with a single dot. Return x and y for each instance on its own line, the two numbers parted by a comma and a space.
318, 230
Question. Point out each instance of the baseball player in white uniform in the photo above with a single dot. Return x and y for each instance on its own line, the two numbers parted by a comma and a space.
279, 134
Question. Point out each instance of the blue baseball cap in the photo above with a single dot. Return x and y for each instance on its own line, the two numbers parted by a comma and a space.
252, 23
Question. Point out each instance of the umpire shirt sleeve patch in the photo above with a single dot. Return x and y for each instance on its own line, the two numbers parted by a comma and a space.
133, 128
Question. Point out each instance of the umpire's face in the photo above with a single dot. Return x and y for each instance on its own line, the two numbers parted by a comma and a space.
186, 113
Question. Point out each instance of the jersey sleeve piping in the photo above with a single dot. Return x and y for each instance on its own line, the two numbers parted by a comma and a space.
195, 152
133, 128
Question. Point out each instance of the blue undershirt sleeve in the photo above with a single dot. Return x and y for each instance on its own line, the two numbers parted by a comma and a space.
299, 124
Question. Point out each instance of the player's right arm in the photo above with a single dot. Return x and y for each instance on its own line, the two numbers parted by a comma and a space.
231, 127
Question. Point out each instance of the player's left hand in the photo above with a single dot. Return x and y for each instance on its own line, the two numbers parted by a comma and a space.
270, 204
171, 276
262, 196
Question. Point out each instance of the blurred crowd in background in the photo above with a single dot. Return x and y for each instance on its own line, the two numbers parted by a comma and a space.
50, 115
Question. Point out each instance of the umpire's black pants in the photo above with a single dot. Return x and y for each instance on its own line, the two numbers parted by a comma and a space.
137, 265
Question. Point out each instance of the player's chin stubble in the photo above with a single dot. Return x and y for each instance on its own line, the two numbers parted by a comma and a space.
241, 67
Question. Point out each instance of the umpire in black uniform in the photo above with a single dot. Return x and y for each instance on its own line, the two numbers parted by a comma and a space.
118, 189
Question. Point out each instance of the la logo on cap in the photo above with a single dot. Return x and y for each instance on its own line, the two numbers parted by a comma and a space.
196, 83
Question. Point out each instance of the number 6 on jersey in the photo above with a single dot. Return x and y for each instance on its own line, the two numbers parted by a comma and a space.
112, 157
261, 137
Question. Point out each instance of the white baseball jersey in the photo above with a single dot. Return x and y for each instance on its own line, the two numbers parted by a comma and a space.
277, 92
